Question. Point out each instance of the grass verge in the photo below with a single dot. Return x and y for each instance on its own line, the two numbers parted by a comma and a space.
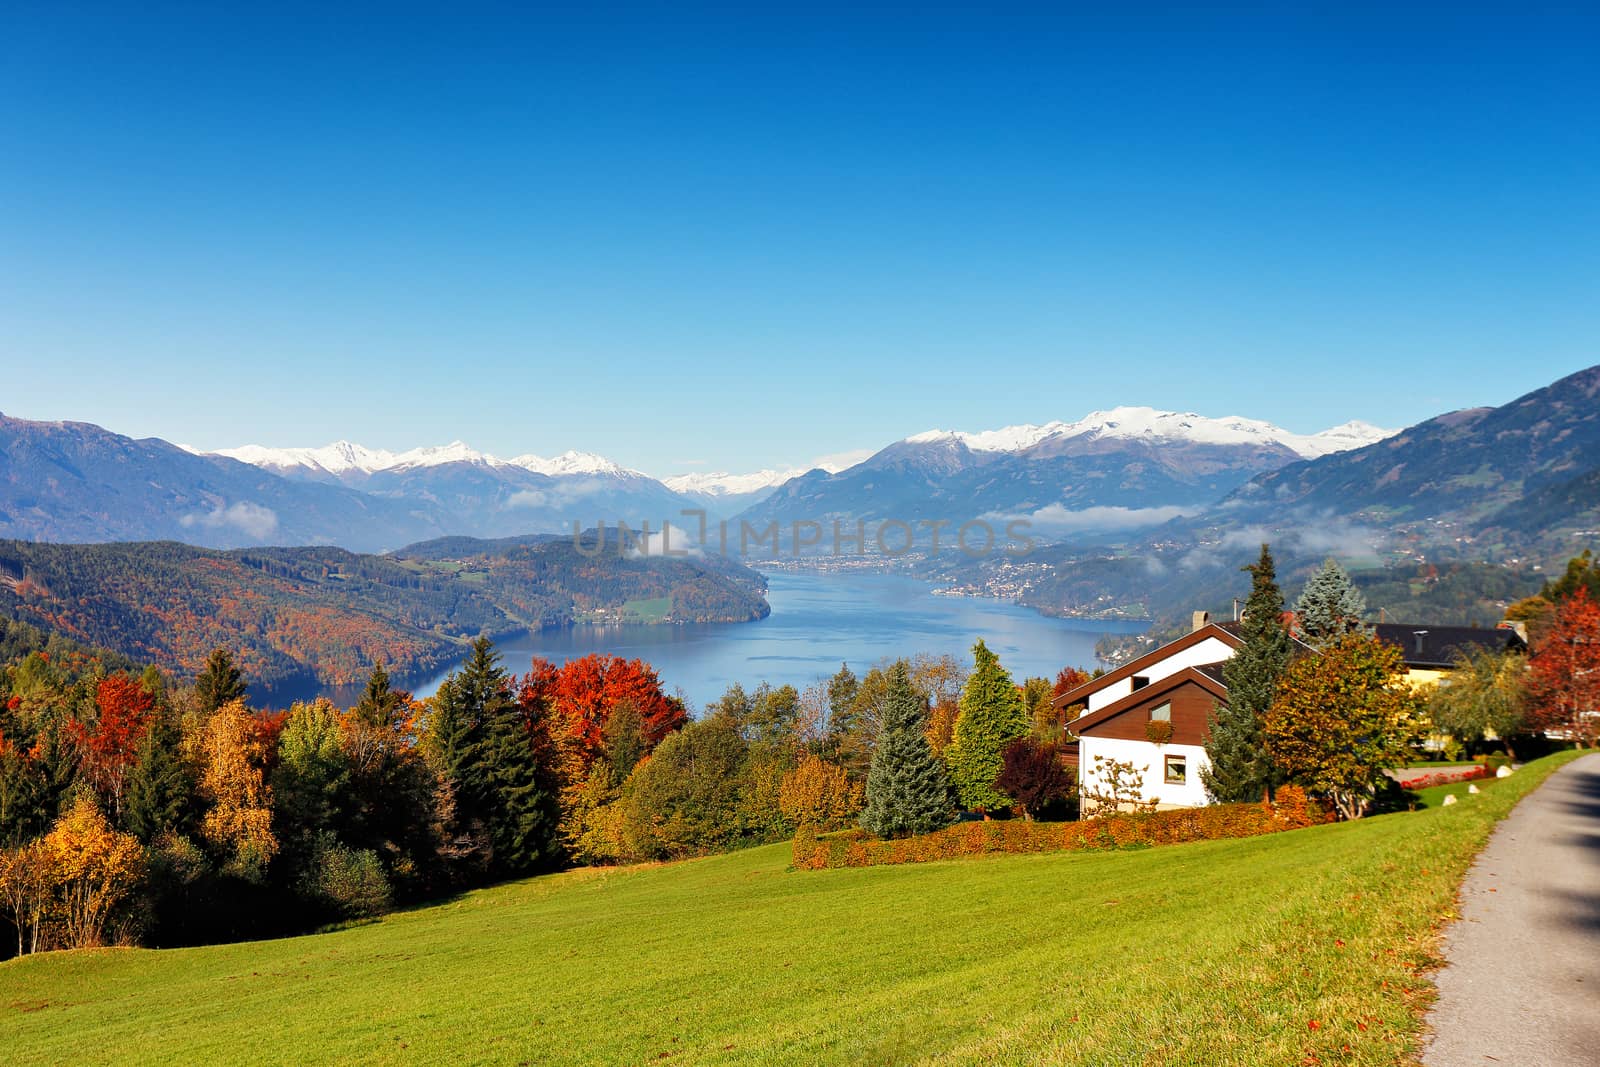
1307, 947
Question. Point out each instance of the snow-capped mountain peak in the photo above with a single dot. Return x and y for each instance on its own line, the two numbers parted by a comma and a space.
722, 483
571, 462
345, 458
1150, 423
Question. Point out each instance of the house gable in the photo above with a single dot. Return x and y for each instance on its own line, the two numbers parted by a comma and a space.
1192, 696
1209, 644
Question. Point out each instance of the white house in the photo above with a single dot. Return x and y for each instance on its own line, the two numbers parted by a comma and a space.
1154, 712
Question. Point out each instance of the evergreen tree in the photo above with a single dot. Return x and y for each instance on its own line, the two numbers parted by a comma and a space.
1240, 768
625, 742
487, 741
158, 787
907, 790
991, 717
520, 815
219, 682
379, 707
1330, 606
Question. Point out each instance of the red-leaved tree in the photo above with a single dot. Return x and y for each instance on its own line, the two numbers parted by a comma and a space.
108, 748
582, 693
1564, 671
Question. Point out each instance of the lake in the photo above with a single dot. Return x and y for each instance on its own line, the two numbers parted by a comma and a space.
819, 621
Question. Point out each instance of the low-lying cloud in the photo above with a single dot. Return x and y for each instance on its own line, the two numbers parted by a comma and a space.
669, 541
250, 519
1058, 519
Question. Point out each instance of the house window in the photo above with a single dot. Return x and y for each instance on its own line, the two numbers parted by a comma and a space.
1161, 712
1177, 770
1140, 681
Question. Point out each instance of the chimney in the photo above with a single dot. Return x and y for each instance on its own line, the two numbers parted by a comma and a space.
1518, 628
1419, 635
1199, 621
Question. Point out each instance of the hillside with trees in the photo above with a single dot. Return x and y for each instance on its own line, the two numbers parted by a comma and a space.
326, 614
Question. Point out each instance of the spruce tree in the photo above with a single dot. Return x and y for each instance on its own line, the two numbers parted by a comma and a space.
219, 682
158, 786
498, 782
991, 717
1330, 606
1240, 769
521, 816
907, 791
379, 706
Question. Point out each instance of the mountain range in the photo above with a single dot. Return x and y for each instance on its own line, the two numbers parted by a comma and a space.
1114, 470
75, 482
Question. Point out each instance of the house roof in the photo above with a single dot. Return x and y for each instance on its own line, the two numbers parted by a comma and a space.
1197, 675
1428, 646
1081, 693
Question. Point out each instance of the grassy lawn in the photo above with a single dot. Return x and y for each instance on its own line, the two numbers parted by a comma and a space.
652, 610
1433, 796
1260, 951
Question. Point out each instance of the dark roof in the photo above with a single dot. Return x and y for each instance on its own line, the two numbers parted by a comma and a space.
1212, 671
1426, 646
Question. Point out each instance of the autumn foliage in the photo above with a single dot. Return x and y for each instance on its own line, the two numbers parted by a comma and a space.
67, 889
1339, 718
820, 795
1564, 671
108, 747
582, 693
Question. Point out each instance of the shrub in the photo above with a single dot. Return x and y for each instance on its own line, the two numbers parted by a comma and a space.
350, 883
1292, 811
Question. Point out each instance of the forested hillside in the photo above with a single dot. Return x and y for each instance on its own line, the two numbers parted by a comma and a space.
328, 614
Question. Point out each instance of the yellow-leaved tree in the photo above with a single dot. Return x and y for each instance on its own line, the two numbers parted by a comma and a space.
68, 889
819, 795
238, 821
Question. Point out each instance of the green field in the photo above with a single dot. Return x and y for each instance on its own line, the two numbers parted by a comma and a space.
653, 610
1259, 951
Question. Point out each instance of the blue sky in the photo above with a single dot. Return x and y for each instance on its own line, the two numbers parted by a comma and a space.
714, 240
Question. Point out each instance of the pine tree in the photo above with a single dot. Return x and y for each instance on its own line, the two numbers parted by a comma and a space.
991, 717
219, 682
158, 786
1330, 606
1240, 767
521, 816
496, 776
379, 707
907, 791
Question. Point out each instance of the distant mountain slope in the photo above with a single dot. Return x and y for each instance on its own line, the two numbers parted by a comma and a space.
1527, 469
1117, 469
482, 495
72, 481
325, 613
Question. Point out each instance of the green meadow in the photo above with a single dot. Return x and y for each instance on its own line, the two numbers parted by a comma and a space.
1268, 950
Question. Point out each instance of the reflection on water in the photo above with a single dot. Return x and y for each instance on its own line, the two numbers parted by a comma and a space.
818, 621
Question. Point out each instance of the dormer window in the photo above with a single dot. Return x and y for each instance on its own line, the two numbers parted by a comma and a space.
1140, 681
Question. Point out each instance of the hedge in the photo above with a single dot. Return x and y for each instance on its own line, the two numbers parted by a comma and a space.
855, 848
1449, 777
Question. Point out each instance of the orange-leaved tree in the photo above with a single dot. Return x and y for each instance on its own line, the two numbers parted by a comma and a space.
1341, 717
1564, 671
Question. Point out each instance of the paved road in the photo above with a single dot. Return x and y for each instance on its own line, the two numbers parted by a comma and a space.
1522, 986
